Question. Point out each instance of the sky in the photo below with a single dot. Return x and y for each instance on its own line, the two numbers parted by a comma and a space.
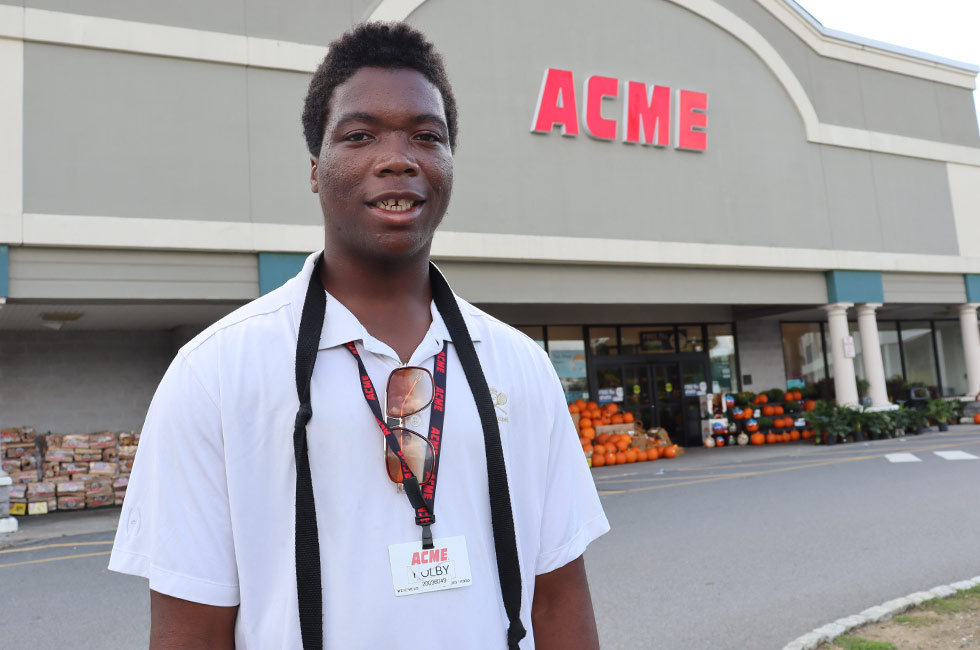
947, 28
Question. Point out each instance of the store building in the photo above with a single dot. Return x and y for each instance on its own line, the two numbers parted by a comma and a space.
671, 196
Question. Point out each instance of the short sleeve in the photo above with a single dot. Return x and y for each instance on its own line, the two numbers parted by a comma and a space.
175, 527
572, 515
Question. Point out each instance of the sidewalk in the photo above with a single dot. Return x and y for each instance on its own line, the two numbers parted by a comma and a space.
62, 524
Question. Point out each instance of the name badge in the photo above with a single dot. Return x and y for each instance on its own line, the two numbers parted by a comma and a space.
417, 571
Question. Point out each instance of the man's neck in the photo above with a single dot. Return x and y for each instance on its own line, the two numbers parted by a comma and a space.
391, 300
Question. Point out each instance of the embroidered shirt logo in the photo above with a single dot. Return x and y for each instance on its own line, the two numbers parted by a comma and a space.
499, 401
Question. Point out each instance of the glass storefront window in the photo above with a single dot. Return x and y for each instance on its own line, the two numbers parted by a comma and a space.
602, 341
891, 354
566, 347
610, 384
803, 356
536, 332
721, 351
689, 338
920, 361
952, 360
649, 339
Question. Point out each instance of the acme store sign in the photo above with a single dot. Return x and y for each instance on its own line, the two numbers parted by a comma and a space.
657, 116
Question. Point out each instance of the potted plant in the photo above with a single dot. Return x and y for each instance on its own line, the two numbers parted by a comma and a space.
878, 424
942, 411
829, 422
775, 395
911, 419
854, 420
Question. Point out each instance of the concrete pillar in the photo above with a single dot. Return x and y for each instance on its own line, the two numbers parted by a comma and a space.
874, 367
971, 347
845, 382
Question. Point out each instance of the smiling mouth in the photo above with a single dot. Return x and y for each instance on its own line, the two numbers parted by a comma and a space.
396, 205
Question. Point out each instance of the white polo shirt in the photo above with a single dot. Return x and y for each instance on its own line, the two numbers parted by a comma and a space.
209, 513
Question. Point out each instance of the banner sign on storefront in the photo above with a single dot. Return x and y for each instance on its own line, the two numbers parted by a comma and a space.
653, 115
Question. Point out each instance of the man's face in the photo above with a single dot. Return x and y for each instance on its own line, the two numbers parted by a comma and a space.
385, 169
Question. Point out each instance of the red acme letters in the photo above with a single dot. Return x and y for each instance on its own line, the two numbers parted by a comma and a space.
648, 112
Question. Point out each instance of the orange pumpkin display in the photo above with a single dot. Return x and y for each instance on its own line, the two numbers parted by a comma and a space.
758, 439
598, 460
810, 404
670, 452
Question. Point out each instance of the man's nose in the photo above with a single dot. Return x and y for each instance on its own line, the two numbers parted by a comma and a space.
396, 159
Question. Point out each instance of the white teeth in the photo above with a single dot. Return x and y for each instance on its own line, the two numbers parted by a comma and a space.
396, 205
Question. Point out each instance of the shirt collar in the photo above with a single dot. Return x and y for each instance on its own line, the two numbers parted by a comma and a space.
341, 326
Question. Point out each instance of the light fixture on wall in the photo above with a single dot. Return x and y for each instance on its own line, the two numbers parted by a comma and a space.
55, 320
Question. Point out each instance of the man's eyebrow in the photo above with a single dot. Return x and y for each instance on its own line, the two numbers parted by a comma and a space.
356, 117
430, 117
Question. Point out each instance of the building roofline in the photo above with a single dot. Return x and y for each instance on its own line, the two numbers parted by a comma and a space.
890, 48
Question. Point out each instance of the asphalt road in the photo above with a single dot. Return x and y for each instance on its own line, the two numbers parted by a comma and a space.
727, 555
726, 549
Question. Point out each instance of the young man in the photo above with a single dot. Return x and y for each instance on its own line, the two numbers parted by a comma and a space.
217, 506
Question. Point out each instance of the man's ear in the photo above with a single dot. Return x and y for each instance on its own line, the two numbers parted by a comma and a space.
313, 185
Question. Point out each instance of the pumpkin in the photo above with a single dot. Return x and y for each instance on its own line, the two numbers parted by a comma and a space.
758, 439
768, 410
670, 452
709, 442
751, 426
794, 435
810, 404
976, 419
743, 439
720, 441
762, 399
778, 410
771, 438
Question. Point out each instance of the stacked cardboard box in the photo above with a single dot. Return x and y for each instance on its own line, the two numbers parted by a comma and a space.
67, 471
18, 455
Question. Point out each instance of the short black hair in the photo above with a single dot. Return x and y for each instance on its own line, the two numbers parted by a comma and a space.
375, 45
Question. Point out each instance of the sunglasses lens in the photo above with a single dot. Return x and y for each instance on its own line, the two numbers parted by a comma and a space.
409, 391
417, 452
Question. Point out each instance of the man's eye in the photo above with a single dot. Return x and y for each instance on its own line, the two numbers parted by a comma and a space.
357, 137
430, 137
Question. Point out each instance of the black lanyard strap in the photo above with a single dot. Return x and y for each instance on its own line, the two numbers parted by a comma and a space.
307, 543
501, 513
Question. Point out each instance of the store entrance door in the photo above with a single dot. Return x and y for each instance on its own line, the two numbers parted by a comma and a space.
658, 393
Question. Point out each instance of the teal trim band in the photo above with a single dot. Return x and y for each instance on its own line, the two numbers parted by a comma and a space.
854, 286
276, 268
4, 271
972, 281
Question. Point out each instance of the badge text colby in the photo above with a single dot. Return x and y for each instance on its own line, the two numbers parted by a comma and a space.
650, 117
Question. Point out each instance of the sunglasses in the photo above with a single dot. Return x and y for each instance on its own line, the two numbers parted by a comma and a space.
409, 391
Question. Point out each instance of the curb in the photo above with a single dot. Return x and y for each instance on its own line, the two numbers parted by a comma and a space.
883, 612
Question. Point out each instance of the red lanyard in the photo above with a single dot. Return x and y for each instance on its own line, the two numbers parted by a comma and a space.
424, 499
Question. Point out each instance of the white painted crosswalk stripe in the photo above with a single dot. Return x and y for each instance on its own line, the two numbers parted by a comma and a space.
955, 455
903, 458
